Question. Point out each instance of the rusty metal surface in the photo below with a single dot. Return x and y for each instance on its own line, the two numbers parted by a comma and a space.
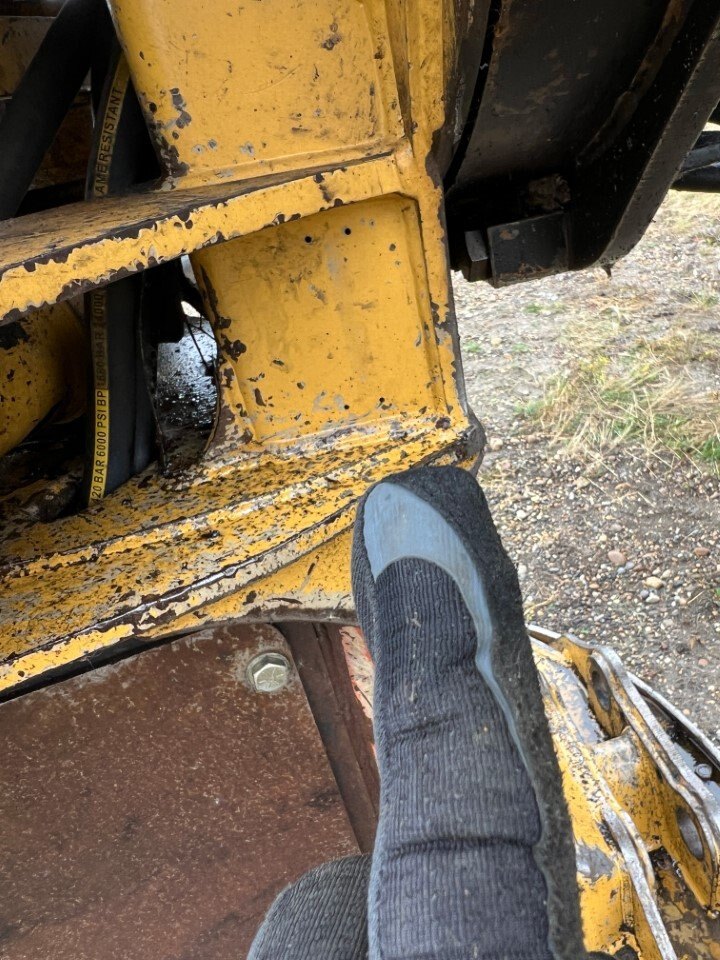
346, 730
153, 808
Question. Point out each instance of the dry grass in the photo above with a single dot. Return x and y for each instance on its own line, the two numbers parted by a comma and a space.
624, 388
693, 214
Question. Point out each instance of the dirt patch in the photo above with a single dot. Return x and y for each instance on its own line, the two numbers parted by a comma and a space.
608, 498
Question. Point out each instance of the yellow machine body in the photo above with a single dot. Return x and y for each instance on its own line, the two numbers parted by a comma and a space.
318, 245
299, 146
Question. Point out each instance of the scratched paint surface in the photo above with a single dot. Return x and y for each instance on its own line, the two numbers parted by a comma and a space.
261, 523
326, 322
261, 86
624, 780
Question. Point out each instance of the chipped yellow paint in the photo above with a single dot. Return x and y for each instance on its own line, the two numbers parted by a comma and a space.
44, 257
43, 361
302, 173
155, 549
361, 315
624, 781
652, 783
319, 580
260, 87
605, 887
325, 323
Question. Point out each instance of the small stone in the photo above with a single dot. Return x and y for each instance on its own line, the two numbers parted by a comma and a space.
702, 662
701, 551
617, 558
644, 594
522, 571
655, 583
652, 598
495, 444
521, 515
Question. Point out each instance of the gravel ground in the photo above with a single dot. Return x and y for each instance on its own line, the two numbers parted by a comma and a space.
621, 547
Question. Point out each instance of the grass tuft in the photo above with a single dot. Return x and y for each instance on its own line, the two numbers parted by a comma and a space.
643, 390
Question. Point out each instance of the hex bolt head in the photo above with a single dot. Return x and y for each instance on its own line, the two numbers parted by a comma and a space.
269, 672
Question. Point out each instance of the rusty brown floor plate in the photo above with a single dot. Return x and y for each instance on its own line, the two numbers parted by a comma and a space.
153, 808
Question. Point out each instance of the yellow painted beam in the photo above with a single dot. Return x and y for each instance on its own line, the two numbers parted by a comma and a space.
43, 363
54, 255
157, 550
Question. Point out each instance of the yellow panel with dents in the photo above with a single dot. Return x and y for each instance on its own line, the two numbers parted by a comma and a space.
262, 86
325, 321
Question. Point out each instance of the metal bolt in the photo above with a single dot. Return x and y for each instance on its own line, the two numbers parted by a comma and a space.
269, 672
704, 771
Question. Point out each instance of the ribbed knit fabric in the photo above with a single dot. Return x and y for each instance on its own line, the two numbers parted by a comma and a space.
454, 877
474, 855
323, 916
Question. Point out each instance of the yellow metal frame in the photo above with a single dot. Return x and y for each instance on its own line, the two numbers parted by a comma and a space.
643, 891
297, 139
43, 360
302, 144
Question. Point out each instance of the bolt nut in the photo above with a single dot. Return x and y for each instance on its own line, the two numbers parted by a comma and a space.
269, 672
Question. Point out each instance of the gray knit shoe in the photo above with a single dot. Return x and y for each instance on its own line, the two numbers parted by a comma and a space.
474, 854
323, 916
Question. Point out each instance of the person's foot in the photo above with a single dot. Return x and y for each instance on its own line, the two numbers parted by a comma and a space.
474, 855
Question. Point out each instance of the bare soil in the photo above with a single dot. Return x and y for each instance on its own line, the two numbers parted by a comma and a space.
620, 544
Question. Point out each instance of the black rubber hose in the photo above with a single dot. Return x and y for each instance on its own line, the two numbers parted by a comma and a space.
705, 152
706, 180
121, 424
43, 98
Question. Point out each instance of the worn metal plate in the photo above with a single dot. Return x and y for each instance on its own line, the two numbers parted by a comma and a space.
153, 808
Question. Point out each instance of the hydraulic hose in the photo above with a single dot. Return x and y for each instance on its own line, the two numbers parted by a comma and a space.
121, 425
